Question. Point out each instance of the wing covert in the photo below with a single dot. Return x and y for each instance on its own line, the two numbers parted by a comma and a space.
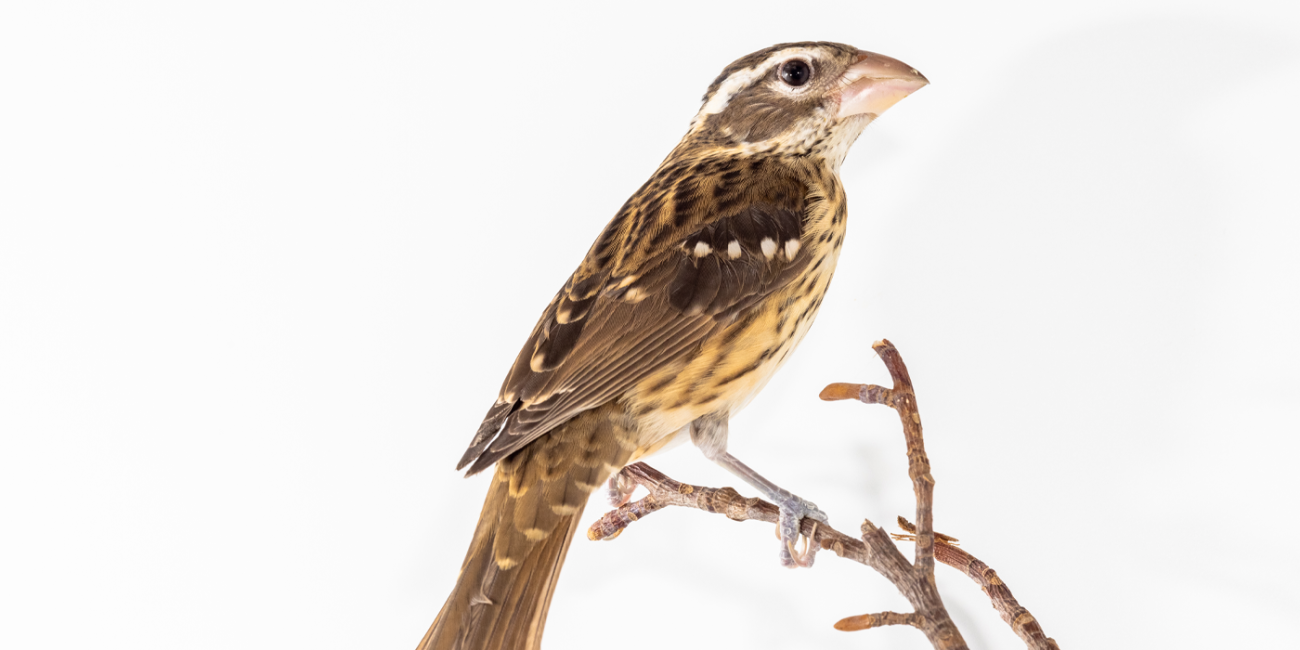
627, 312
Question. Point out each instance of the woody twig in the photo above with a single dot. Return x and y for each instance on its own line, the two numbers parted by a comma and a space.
1021, 621
914, 580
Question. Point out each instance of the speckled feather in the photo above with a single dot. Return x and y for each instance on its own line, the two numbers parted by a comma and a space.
621, 318
691, 297
648, 295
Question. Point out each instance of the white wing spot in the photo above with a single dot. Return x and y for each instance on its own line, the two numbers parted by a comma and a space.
564, 314
768, 246
791, 248
537, 361
702, 249
733, 249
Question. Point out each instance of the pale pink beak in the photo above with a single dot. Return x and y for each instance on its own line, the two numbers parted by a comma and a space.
876, 82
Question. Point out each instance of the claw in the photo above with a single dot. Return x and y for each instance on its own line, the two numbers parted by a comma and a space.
620, 489
805, 557
793, 511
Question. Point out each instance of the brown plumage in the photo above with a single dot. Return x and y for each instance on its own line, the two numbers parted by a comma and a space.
694, 294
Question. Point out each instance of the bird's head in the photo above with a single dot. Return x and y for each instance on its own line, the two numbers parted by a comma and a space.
801, 98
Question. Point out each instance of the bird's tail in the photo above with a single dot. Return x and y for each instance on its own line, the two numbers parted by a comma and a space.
495, 606
529, 518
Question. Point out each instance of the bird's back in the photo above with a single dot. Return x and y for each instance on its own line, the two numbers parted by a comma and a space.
693, 295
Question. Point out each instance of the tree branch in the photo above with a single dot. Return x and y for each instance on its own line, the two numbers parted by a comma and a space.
868, 621
1021, 621
914, 580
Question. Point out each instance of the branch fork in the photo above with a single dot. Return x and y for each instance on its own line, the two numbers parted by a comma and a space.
875, 548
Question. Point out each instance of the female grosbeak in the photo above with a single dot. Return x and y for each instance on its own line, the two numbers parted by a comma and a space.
695, 293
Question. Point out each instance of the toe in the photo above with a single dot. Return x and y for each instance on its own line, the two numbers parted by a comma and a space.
619, 490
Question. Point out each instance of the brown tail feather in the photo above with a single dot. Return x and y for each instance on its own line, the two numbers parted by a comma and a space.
532, 510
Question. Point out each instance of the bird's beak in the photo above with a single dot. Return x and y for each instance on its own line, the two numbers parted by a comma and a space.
876, 82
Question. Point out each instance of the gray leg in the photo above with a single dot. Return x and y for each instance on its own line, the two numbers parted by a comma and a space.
709, 433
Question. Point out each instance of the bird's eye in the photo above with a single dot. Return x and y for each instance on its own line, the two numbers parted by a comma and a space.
795, 72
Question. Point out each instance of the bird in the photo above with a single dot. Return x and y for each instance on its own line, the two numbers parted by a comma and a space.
692, 296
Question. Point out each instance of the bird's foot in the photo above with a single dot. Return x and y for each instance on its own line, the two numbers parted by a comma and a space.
620, 489
793, 511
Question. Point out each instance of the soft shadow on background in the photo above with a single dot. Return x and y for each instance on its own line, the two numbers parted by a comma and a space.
264, 265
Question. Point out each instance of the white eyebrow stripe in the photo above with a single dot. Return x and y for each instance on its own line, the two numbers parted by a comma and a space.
740, 79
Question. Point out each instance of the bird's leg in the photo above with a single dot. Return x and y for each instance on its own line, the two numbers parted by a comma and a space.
709, 433
793, 510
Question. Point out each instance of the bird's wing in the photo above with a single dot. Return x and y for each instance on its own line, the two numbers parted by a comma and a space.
690, 253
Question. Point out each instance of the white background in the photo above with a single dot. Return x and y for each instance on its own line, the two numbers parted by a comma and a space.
264, 264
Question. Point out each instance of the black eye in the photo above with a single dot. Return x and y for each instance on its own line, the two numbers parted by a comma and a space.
795, 72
